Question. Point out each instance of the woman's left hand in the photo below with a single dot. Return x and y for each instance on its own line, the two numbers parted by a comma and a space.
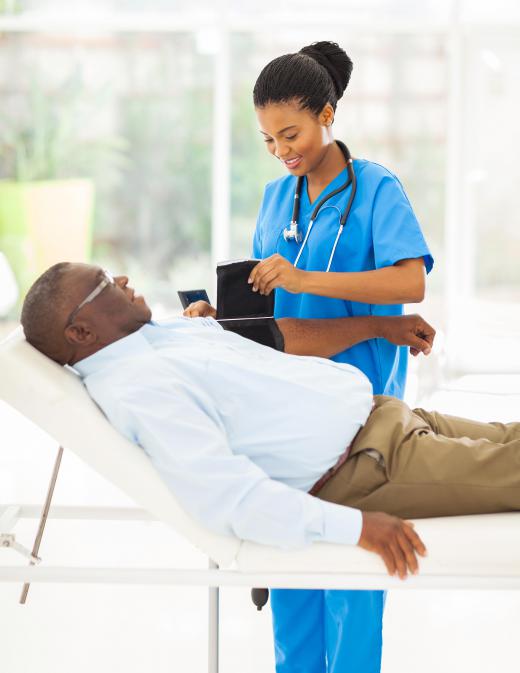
276, 271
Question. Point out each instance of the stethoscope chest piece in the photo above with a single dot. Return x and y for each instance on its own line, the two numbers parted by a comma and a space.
293, 233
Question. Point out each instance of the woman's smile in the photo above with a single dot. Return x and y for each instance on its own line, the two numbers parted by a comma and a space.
292, 163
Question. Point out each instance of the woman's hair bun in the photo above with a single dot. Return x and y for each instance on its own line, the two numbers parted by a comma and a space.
332, 57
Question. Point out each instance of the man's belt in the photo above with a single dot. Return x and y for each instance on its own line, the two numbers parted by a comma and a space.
327, 476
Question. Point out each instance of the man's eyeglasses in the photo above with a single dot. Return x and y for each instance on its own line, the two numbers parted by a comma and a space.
107, 280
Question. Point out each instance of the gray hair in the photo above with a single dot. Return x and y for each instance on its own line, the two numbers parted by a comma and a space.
42, 311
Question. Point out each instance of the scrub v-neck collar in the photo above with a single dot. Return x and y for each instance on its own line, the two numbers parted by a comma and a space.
306, 204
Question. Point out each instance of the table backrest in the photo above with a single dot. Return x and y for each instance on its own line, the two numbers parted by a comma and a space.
55, 399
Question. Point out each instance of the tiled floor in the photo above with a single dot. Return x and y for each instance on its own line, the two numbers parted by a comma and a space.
72, 628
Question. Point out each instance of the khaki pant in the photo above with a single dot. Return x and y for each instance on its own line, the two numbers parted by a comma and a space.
418, 464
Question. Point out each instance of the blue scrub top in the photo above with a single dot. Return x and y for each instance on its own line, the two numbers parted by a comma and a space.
381, 230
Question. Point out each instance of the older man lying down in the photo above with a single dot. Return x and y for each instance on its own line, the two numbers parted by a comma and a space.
278, 448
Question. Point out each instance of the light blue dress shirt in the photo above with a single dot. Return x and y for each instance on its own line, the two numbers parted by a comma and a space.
238, 431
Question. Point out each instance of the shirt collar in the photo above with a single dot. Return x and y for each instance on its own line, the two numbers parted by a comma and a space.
128, 346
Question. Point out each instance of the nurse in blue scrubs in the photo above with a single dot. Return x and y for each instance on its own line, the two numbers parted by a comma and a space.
376, 263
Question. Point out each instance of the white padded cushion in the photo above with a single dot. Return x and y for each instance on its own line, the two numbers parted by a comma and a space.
55, 399
487, 545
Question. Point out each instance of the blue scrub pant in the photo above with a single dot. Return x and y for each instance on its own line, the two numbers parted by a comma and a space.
322, 631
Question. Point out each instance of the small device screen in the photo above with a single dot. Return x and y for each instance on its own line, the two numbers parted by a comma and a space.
187, 297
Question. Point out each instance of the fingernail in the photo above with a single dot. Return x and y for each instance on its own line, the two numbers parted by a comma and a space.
249, 280
255, 289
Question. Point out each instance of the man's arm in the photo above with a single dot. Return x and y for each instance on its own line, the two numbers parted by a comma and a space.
327, 336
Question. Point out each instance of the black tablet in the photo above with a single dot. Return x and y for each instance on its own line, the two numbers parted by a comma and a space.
187, 297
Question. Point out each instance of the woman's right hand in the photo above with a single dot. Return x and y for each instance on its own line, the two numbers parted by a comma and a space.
200, 309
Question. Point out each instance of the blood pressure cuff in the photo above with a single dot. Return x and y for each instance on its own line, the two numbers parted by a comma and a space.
264, 331
235, 296
243, 311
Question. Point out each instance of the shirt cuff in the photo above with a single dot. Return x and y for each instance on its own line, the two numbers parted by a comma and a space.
342, 525
211, 322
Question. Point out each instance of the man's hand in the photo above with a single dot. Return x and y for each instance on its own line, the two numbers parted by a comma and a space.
409, 330
200, 309
394, 540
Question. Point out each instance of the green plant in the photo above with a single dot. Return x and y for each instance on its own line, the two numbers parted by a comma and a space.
48, 135
10, 7
166, 190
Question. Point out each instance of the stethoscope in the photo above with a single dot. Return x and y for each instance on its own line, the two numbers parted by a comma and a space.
292, 233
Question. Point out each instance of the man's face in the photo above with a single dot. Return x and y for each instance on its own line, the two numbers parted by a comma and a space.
117, 306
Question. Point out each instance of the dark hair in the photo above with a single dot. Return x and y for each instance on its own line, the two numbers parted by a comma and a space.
42, 308
316, 75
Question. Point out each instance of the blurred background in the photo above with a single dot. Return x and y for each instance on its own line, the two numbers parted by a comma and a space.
128, 137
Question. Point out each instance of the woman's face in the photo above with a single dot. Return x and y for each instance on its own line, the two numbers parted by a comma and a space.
298, 138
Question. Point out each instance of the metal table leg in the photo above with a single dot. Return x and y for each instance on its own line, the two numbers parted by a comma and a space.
213, 626
43, 518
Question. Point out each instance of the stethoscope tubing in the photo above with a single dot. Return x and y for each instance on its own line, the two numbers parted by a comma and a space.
292, 232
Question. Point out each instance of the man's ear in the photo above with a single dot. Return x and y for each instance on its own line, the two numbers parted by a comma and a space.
79, 334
